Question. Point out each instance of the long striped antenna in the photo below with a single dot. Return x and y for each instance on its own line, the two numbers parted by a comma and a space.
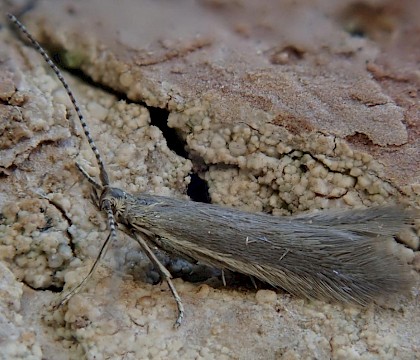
103, 175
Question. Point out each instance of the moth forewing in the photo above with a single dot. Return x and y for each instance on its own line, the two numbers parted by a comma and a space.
333, 255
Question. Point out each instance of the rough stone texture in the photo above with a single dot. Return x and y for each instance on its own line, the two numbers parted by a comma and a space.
282, 109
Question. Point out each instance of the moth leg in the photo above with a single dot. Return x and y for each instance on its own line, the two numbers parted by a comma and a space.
164, 273
253, 282
223, 278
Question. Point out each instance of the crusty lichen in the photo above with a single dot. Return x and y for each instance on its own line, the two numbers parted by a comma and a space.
18, 338
32, 237
293, 172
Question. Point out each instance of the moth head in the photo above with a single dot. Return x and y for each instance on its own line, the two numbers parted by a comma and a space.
116, 198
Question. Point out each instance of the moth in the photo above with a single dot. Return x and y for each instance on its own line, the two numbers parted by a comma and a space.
334, 255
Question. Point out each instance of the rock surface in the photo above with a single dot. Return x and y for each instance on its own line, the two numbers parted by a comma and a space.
281, 107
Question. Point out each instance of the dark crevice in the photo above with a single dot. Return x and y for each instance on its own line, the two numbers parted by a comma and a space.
304, 168
67, 218
159, 118
197, 272
57, 58
357, 33
53, 288
6, 172
198, 189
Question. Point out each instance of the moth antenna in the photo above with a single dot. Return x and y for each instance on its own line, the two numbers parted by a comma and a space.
103, 175
102, 171
92, 181
111, 237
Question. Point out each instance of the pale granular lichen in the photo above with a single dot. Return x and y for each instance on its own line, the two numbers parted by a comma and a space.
32, 236
18, 338
127, 133
303, 171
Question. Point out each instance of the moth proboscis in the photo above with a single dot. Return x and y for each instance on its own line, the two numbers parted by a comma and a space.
332, 255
